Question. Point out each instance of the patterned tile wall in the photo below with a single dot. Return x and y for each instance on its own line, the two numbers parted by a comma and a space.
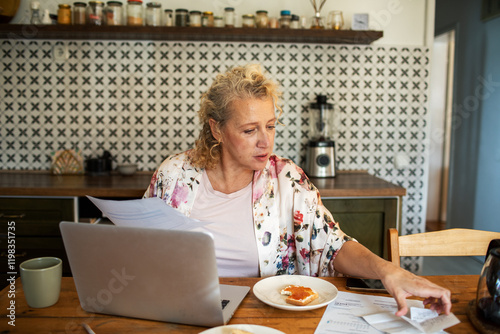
138, 100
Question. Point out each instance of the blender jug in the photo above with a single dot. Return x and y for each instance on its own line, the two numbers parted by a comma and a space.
321, 119
320, 155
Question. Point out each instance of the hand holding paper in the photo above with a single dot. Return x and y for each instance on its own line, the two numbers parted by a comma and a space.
148, 212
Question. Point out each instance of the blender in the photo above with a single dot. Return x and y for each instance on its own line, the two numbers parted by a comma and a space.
320, 155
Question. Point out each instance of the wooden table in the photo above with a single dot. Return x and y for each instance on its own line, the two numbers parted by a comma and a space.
66, 316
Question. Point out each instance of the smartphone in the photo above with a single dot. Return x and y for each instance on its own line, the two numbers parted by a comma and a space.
367, 285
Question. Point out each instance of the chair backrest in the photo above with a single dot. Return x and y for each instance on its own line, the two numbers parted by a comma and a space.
450, 242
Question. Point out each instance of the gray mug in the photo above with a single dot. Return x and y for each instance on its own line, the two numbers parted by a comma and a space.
41, 279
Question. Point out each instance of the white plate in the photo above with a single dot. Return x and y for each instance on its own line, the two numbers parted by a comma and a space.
255, 329
268, 291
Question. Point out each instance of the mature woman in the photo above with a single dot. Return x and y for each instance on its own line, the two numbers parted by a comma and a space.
268, 217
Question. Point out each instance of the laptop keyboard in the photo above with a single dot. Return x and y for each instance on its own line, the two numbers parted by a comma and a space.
224, 302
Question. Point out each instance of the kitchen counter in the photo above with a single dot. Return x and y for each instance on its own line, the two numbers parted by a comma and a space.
42, 183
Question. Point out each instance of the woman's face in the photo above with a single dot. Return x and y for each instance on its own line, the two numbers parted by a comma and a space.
248, 136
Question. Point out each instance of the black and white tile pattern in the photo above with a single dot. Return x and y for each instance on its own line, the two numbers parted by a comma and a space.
138, 100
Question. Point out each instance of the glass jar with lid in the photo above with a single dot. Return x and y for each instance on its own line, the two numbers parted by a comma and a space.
195, 18
295, 22
135, 13
248, 21
95, 12
168, 18
79, 9
218, 21
207, 20
229, 17
181, 17
285, 19
153, 14
64, 14
113, 13
261, 19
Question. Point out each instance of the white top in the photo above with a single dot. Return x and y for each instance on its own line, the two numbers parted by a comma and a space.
233, 231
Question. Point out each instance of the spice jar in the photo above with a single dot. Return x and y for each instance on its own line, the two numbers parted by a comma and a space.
195, 18
207, 20
274, 23
113, 13
229, 17
295, 22
285, 19
248, 21
153, 14
79, 12
261, 19
64, 14
218, 21
134, 13
168, 18
94, 13
181, 17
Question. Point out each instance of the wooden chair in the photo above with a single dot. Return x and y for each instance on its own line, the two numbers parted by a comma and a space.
450, 242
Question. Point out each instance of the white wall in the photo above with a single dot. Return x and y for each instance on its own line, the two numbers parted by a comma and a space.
403, 21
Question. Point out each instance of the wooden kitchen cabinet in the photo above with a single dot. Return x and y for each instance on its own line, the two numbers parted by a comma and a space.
36, 234
366, 219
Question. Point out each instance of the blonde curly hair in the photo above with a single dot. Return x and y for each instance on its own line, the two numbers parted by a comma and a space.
240, 82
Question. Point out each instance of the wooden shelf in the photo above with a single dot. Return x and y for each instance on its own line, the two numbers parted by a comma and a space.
23, 31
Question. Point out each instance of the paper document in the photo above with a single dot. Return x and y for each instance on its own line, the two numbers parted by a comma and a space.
352, 313
147, 212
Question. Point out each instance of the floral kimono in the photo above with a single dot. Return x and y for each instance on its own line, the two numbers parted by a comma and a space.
295, 233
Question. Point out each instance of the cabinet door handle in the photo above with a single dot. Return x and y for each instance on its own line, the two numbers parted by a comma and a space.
18, 216
23, 254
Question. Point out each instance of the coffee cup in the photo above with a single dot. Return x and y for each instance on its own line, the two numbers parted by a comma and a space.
41, 279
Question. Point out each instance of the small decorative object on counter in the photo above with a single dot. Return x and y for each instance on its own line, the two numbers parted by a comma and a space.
285, 18
113, 13
218, 22
181, 17
79, 14
295, 22
153, 14
64, 14
248, 21
134, 13
195, 18
207, 20
229, 17
35, 13
335, 20
95, 12
67, 162
261, 19
168, 18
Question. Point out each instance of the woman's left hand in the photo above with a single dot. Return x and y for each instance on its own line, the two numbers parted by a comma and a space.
402, 284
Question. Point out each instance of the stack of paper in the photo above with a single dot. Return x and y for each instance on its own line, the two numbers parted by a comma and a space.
367, 314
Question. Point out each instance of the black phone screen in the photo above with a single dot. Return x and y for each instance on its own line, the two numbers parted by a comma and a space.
362, 284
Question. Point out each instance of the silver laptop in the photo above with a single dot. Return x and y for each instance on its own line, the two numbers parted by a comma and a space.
146, 273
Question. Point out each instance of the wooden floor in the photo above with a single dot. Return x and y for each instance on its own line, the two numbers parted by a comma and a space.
434, 225
450, 265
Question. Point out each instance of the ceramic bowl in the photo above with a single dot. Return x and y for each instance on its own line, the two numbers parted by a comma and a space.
127, 169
